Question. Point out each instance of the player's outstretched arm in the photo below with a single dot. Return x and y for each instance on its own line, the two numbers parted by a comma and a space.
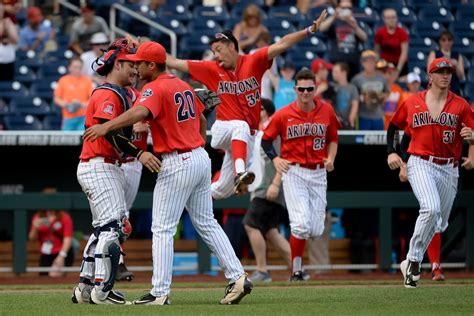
176, 63
291, 39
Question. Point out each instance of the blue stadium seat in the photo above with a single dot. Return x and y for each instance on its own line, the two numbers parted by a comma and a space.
43, 89
466, 13
10, 90
205, 25
29, 59
440, 15
406, 15
232, 22
315, 12
277, 25
216, 13
286, 12
52, 122
314, 44
433, 4
382, 4
426, 29
301, 58
59, 55
22, 122
193, 45
237, 11
469, 91
470, 74
367, 15
464, 46
24, 74
464, 28
176, 11
176, 25
460, 4
29, 105
54, 69
4, 110
423, 44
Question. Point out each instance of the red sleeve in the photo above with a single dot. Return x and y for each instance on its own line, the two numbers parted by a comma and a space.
150, 99
108, 105
274, 127
66, 220
403, 35
331, 135
202, 71
468, 116
400, 116
261, 62
378, 36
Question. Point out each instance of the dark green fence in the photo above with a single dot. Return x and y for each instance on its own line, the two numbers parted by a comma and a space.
384, 201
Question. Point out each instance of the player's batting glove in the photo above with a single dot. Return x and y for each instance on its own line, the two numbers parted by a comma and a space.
125, 229
209, 98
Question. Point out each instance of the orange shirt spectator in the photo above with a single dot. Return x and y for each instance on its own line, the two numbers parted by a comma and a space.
72, 95
396, 95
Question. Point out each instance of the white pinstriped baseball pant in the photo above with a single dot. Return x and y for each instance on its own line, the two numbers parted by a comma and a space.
435, 188
133, 172
305, 198
185, 181
223, 133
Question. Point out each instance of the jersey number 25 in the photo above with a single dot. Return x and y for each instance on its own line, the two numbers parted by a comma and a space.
185, 103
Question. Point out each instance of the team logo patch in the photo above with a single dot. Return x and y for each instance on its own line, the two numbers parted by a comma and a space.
108, 108
147, 93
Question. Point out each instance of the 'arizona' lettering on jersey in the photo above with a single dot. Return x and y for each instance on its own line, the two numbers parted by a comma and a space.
306, 129
444, 119
238, 87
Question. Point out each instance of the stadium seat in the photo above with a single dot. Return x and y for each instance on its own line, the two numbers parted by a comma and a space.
464, 46
193, 45
440, 15
175, 25
24, 74
423, 44
464, 28
469, 91
29, 105
230, 23
52, 122
432, 4
466, 13
205, 25
54, 69
10, 90
59, 55
314, 44
277, 25
4, 110
460, 4
406, 15
237, 11
426, 29
215, 13
367, 15
176, 11
314, 13
43, 89
287, 12
382, 4
301, 58
22, 122
29, 59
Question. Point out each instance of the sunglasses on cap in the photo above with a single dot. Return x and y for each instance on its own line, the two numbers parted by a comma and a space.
303, 89
221, 36
444, 64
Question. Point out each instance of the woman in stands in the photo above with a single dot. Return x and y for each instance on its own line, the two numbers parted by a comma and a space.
249, 29
445, 42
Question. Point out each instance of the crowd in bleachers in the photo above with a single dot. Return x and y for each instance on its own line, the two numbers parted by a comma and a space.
37, 48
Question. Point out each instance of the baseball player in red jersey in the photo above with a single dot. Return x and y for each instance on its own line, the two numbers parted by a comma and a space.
237, 80
434, 119
308, 132
102, 180
178, 130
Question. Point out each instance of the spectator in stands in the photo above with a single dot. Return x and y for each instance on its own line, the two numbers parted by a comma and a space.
9, 40
391, 42
347, 97
265, 39
249, 29
36, 33
84, 27
396, 95
10, 9
54, 231
321, 69
373, 90
283, 85
413, 84
344, 36
266, 208
445, 42
72, 95
98, 42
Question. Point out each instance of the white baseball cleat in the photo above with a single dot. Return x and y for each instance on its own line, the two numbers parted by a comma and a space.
150, 299
411, 273
81, 297
113, 298
235, 291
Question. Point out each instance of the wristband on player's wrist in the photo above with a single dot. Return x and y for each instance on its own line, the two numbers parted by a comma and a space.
391, 151
140, 153
63, 254
308, 31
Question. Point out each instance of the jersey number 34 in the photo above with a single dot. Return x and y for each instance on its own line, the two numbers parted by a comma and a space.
185, 102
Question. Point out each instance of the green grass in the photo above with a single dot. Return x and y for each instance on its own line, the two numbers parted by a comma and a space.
313, 298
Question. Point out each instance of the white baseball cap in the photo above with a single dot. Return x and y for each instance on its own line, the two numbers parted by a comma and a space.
412, 77
99, 38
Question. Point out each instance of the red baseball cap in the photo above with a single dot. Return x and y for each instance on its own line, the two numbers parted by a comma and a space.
441, 63
319, 63
149, 51
34, 14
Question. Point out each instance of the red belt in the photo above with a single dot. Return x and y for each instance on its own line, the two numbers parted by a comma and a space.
309, 166
106, 160
253, 131
440, 161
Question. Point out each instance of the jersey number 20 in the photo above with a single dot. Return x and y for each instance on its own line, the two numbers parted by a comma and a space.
185, 103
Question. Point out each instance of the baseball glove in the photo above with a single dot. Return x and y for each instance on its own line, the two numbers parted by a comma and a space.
209, 98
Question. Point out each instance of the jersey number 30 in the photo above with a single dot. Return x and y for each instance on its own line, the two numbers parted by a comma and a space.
185, 103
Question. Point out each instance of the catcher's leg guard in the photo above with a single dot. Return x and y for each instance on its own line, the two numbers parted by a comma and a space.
107, 257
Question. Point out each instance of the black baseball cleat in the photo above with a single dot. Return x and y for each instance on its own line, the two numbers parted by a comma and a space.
113, 298
235, 291
149, 299
123, 274
411, 273
242, 180
298, 276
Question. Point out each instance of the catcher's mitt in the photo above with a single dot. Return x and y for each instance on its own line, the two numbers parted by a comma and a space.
209, 98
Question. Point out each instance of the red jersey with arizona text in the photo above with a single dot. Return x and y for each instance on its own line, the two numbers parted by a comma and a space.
138, 139
104, 104
304, 135
176, 114
439, 137
238, 90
